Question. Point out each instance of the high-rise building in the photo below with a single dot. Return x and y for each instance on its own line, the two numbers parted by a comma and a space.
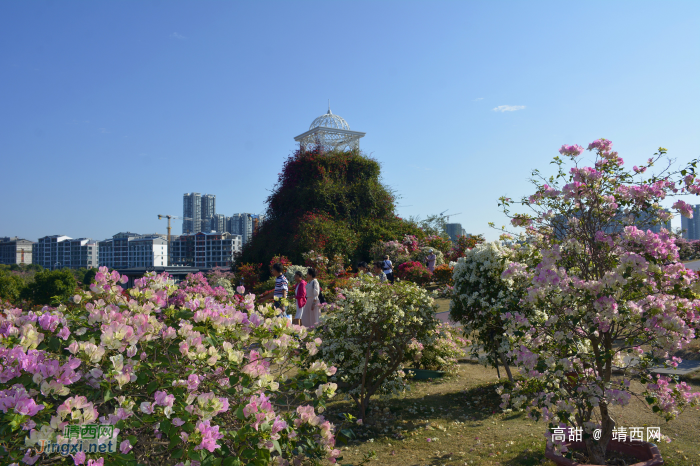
15, 250
212, 249
644, 225
57, 252
208, 211
691, 226
454, 230
244, 225
192, 210
218, 223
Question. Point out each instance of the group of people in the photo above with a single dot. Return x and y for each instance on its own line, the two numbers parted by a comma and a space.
307, 294
307, 291
384, 270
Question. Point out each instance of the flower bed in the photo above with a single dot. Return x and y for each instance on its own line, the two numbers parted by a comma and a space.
172, 370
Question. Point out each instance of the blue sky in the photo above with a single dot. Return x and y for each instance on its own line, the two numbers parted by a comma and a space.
112, 110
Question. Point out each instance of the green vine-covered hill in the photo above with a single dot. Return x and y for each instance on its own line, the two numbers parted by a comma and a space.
329, 202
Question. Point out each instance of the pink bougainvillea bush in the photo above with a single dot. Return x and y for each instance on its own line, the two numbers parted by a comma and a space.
415, 272
188, 375
604, 294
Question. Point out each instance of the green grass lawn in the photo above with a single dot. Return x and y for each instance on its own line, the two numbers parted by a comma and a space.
461, 417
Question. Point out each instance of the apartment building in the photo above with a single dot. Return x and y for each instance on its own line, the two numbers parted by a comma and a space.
192, 213
119, 252
148, 251
208, 212
205, 250
59, 251
15, 250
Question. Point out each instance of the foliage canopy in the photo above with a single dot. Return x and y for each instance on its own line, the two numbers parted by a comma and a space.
329, 202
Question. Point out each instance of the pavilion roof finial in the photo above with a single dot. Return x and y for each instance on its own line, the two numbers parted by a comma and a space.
329, 107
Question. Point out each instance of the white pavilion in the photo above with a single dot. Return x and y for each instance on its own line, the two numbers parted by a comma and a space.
330, 132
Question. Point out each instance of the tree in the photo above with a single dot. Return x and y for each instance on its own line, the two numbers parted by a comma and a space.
604, 294
329, 202
11, 286
50, 286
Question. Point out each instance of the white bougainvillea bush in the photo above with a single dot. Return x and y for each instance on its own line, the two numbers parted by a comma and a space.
482, 298
188, 375
367, 336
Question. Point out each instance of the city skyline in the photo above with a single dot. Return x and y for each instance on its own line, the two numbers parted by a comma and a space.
123, 107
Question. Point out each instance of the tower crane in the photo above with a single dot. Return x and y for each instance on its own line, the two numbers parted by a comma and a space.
171, 217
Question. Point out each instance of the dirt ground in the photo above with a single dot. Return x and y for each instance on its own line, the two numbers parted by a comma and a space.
457, 421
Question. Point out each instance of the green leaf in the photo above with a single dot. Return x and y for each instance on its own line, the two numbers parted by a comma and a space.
188, 427
152, 387
194, 455
165, 426
277, 446
231, 461
54, 344
177, 453
248, 454
133, 439
239, 413
108, 395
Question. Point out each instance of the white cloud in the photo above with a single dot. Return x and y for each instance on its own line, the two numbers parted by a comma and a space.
104, 131
175, 35
478, 99
508, 108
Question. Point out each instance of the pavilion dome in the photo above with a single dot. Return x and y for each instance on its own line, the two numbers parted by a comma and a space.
330, 121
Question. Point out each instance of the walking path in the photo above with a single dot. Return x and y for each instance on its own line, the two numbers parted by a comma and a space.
684, 368
694, 265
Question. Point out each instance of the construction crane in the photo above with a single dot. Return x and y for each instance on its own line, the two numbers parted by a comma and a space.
171, 217
447, 217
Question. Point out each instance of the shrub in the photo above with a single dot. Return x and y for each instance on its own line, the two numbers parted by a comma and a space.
440, 350
250, 274
415, 272
463, 244
280, 259
368, 336
51, 286
11, 286
438, 243
421, 255
316, 260
291, 270
443, 275
482, 299
189, 382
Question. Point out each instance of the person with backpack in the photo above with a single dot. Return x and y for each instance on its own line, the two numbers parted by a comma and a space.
388, 269
312, 308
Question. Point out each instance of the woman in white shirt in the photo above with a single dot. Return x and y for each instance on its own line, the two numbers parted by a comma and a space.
312, 308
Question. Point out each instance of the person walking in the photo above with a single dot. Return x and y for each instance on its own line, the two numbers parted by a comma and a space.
312, 309
378, 271
281, 287
388, 269
431, 261
300, 295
